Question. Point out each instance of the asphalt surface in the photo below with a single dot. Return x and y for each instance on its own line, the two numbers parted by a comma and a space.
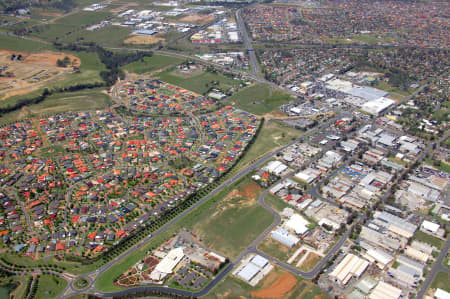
247, 43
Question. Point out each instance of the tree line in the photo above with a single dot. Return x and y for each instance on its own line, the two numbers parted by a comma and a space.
112, 60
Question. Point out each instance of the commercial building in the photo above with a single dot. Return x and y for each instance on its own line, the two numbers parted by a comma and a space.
298, 224
381, 258
441, 294
167, 264
284, 237
350, 266
253, 269
377, 106
385, 291
430, 226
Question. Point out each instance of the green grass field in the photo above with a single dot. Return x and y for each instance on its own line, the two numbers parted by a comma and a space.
20, 44
259, 99
231, 230
199, 82
72, 28
148, 64
58, 103
275, 202
50, 286
441, 281
423, 237
272, 136
109, 36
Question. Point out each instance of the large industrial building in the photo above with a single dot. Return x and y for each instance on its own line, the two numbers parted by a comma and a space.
350, 266
385, 291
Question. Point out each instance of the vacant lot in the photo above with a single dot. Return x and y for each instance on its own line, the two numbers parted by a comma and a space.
197, 19
32, 71
199, 82
148, 64
259, 99
426, 238
441, 281
310, 262
143, 40
272, 136
234, 221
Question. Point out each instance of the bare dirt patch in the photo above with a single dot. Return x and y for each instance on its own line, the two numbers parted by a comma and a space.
31, 72
144, 39
278, 289
310, 262
247, 193
50, 14
275, 114
197, 19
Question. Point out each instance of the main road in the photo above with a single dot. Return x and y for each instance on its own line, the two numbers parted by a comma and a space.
247, 43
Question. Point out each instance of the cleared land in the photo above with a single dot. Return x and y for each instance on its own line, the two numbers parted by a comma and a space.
310, 262
259, 99
197, 19
143, 40
33, 71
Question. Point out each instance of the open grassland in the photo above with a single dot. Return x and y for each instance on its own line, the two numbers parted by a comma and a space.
73, 101
109, 36
50, 286
252, 220
259, 99
199, 82
72, 29
275, 202
441, 281
231, 224
277, 284
20, 44
148, 64
272, 136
